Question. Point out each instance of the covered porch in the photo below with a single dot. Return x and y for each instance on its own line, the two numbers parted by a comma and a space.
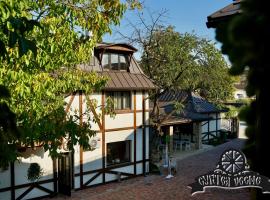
181, 136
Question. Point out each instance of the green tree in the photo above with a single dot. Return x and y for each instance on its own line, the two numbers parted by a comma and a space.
177, 61
245, 39
41, 44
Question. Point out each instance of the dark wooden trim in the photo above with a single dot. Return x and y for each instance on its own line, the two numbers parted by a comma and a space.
103, 134
211, 120
70, 102
81, 149
41, 197
122, 129
29, 184
80, 107
135, 132
204, 124
119, 129
122, 173
210, 132
26, 185
143, 134
112, 181
123, 111
12, 180
111, 168
93, 110
146, 110
6, 189
32, 186
54, 176
26, 192
44, 189
129, 111
91, 179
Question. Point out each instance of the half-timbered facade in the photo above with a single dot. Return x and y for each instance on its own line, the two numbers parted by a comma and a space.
120, 149
199, 120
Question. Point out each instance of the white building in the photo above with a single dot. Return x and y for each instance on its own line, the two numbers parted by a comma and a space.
121, 145
198, 122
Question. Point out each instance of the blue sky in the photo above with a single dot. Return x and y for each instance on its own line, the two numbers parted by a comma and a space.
185, 15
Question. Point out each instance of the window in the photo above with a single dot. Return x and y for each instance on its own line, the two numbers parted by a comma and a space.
121, 100
105, 61
113, 61
118, 152
240, 96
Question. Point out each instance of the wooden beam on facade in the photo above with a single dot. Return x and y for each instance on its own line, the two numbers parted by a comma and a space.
54, 176
108, 169
81, 149
143, 133
26, 192
93, 110
122, 173
12, 180
92, 179
70, 102
135, 132
103, 134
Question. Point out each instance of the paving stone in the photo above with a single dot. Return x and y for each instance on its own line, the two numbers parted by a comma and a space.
155, 187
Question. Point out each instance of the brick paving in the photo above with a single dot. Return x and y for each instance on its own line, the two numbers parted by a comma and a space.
154, 187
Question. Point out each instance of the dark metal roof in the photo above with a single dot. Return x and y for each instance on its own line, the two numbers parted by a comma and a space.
185, 116
196, 108
119, 80
131, 79
173, 96
224, 13
193, 102
201, 105
116, 46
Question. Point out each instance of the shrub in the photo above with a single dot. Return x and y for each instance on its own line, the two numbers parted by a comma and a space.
34, 172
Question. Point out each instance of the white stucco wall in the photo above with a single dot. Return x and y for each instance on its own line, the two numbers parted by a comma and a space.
20, 174
213, 125
92, 160
120, 121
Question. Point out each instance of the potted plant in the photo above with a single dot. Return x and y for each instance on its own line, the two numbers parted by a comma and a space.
34, 172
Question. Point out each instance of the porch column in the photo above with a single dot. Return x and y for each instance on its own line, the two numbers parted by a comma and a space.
171, 138
197, 132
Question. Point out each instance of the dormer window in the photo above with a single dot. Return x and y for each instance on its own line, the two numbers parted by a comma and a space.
114, 61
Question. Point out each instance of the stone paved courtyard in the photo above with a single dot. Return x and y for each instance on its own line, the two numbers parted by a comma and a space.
154, 187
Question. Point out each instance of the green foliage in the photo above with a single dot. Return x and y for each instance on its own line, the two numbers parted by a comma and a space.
187, 62
41, 43
245, 39
34, 172
232, 112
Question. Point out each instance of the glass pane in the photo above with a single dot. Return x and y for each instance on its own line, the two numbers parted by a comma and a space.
105, 61
114, 61
117, 100
118, 152
123, 61
126, 100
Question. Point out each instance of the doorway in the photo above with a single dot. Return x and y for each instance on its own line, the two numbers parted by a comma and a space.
65, 173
